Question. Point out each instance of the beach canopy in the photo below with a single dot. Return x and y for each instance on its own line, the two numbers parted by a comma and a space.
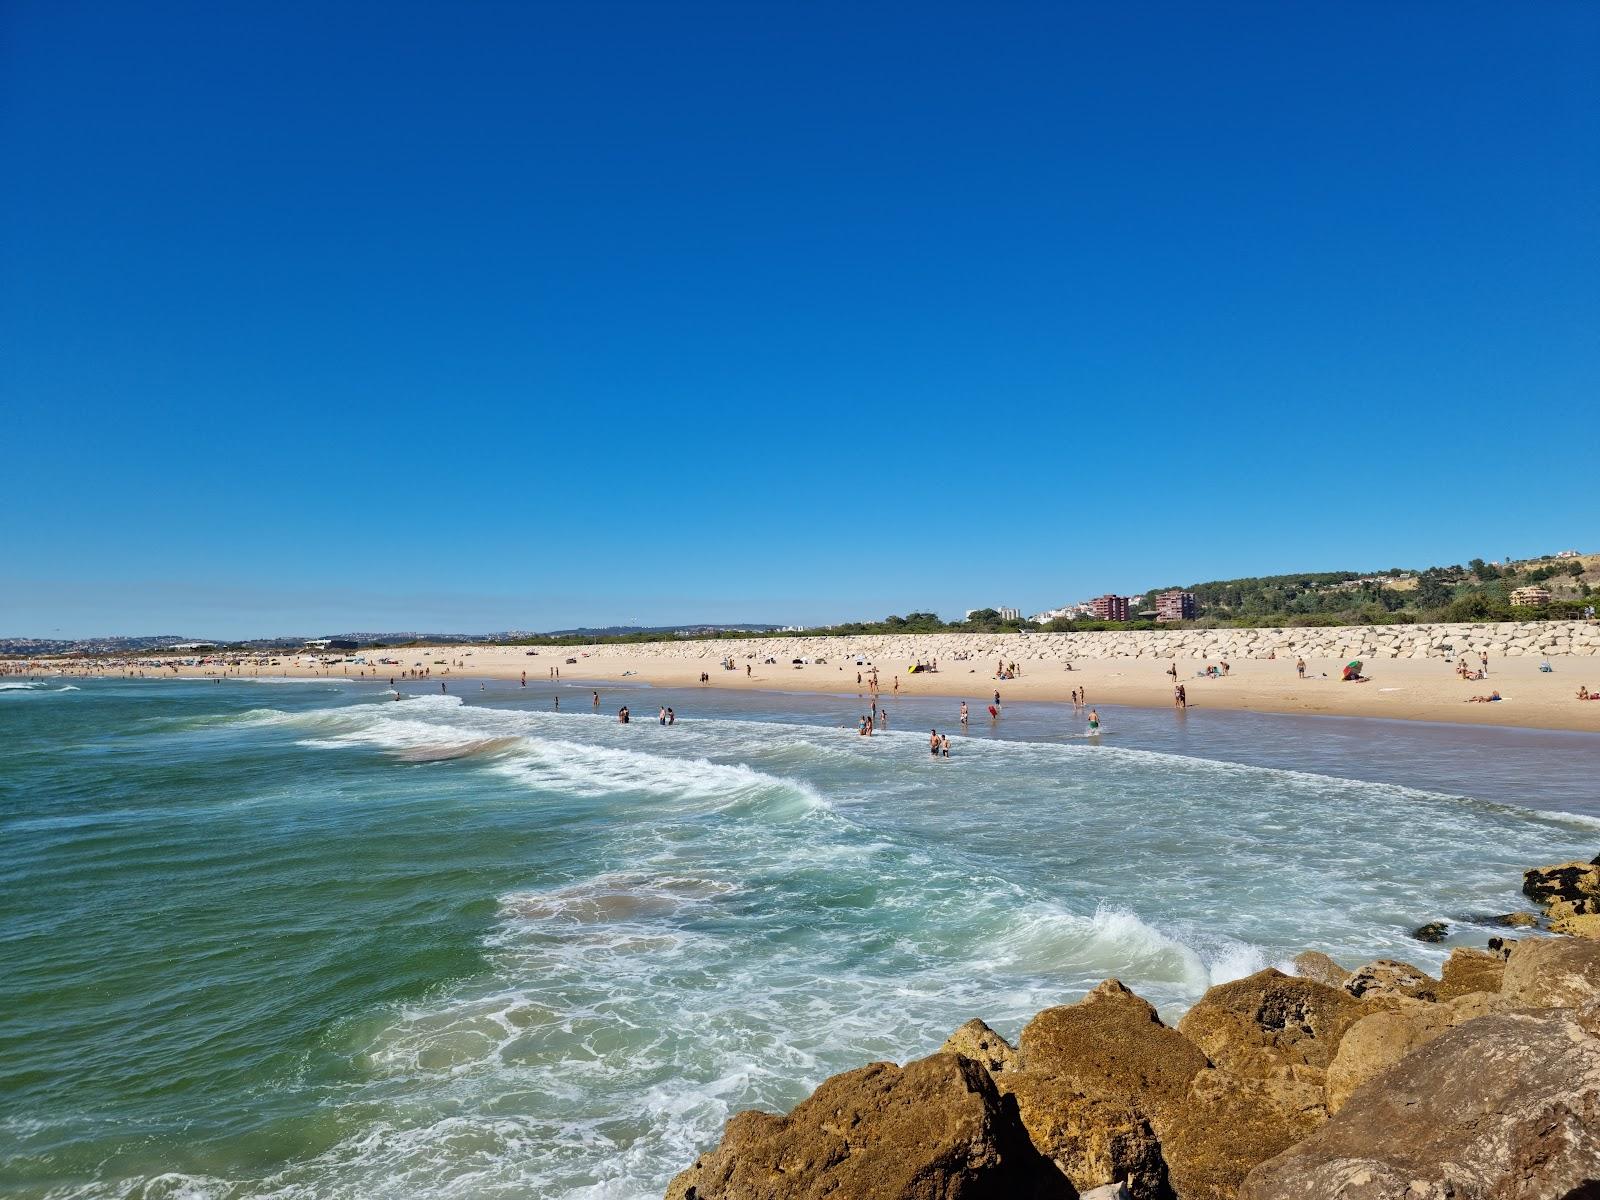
1356, 665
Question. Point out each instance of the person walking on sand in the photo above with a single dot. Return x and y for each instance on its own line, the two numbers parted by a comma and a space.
1300, 667
1483, 661
747, 670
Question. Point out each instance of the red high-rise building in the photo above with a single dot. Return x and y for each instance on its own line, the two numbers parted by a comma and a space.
1175, 606
1110, 608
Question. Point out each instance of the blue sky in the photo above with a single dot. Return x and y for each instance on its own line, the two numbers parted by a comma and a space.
475, 316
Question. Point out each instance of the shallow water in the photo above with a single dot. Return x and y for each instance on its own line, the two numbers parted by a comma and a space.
296, 940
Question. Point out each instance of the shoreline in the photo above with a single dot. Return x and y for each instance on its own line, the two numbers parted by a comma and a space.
1397, 688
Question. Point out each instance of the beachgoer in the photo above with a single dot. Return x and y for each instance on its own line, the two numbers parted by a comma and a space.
963, 712
1300, 667
672, 717
597, 699
622, 714
1483, 660
1489, 699
933, 742
1183, 697
944, 745
993, 712
747, 670
661, 716
1094, 721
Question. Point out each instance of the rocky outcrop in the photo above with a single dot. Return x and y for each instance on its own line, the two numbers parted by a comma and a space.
935, 1130
1502, 1108
1379, 1084
1552, 973
1389, 977
1270, 1020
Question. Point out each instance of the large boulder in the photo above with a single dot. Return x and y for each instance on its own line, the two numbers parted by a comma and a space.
1585, 925
1314, 964
1113, 1044
1502, 1108
1556, 972
1469, 970
983, 1045
936, 1129
1390, 977
1231, 1122
1575, 882
1270, 1020
1088, 1138
1376, 1042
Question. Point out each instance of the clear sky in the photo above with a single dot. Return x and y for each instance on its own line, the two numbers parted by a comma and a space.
470, 316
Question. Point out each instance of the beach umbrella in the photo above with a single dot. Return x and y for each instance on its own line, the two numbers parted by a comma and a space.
1355, 665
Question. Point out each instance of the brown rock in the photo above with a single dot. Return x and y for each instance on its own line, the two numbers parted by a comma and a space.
1563, 910
1370, 1047
1587, 925
1376, 1042
1112, 1044
1088, 1138
1502, 1108
1270, 1020
1516, 920
1314, 964
935, 1130
1578, 882
1469, 970
983, 1045
1232, 1122
1389, 977
1552, 973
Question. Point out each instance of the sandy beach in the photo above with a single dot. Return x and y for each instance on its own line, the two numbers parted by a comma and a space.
1398, 689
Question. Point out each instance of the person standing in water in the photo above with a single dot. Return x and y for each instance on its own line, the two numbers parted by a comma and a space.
944, 745
1094, 721
963, 713
933, 742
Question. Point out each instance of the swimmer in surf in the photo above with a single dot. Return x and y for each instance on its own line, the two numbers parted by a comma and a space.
1094, 721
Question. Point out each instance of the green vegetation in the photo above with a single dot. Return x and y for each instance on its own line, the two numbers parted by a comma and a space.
1479, 591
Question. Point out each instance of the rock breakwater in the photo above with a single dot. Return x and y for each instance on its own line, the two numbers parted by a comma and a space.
1380, 1083
1512, 639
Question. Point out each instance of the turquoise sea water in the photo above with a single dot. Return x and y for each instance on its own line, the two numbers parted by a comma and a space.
296, 940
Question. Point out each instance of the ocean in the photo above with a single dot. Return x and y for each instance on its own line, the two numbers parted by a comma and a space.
293, 939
